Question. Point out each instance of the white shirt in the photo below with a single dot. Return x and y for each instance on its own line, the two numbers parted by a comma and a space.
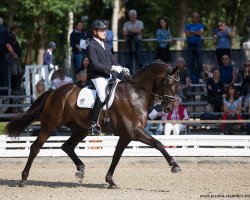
57, 82
100, 42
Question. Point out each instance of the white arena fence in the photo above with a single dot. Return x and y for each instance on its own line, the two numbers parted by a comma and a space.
96, 146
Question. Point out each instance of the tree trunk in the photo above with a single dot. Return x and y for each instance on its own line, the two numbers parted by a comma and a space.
234, 25
181, 33
115, 18
70, 28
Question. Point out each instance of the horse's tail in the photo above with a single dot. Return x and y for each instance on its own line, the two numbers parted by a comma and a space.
16, 126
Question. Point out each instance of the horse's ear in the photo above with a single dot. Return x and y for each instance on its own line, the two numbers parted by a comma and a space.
173, 70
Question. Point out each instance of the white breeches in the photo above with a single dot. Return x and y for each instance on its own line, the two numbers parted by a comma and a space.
100, 85
176, 128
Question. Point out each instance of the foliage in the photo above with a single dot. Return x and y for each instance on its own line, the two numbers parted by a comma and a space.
47, 20
2, 128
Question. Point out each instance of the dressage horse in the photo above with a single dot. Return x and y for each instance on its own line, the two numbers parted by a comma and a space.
128, 114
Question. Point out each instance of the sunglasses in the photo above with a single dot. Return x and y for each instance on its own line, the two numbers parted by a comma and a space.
220, 25
224, 58
247, 65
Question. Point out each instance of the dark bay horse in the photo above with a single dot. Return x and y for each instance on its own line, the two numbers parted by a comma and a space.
128, 114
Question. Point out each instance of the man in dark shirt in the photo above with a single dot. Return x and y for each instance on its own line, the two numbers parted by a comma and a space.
13, 56
79, 39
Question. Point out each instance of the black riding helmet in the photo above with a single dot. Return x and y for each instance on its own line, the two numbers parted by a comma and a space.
98, 24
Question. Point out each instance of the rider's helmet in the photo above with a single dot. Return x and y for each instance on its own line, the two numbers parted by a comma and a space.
97, 24
52, 45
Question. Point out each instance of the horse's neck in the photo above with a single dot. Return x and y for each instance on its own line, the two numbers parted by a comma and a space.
145, 81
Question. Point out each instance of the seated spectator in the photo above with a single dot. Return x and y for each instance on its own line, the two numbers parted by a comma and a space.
61, 80
232, 108
227, 71
215, 90
40, 89
178, 113
84, 65
82, 79
155, 113
185, 80
245, 86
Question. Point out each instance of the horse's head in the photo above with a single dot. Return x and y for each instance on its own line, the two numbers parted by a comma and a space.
167, 87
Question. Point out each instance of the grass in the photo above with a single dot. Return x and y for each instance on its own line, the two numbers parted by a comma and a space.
2, 128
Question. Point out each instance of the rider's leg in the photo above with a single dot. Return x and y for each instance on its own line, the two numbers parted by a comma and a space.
94, 128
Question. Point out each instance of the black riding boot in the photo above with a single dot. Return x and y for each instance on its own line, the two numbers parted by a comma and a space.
94, 127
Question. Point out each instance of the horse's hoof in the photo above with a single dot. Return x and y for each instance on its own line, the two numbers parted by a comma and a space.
114, 186
79, 176
176, 169
21, 184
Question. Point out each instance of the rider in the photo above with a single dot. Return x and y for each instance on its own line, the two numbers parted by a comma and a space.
101, 65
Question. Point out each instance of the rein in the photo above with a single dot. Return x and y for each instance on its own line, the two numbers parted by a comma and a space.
161, 97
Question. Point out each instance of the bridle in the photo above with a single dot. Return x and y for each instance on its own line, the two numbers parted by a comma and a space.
165, 80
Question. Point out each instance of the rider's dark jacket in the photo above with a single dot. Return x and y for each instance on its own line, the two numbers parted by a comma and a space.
100, 60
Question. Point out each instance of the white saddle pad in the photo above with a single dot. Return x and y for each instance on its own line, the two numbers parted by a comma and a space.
86, 97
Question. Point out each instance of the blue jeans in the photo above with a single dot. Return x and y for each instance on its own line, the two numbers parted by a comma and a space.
138, 57
77, 60
158, 128
194, 61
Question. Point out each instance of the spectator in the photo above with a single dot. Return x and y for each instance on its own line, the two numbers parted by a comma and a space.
184, 87
82, 79
245, 42
178, 113
109, 36
79, 39
227, 71
132, 30
164, 38
3, 69
215, 90
13, 57
222, 37
84, 65
155, 113
48, 59
193, 33
40, 89
245, 86
61, 80
232, 108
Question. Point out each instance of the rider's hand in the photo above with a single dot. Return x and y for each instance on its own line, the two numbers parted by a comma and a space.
51, 66
126, 70
116, 68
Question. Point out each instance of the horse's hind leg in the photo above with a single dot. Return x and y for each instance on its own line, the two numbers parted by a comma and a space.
151, 141
34, 150
69, 146
121, 145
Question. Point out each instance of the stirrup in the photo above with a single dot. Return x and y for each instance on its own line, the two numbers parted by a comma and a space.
95, 129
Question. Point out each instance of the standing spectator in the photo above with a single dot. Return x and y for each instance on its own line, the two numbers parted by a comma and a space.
232, 108
222, 37
178, 113
79, 39
193, 33
61, 80
155, 113
215, 90
227, 71
132, 30
109, 36
3, 69
245, 42
245, 86
82, 79
164, 38
40, 89
13, 57
48, 59
184, 87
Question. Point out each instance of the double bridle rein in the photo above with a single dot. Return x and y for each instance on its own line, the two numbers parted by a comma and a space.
164, 80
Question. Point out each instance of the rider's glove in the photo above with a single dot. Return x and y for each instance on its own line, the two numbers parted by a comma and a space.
126, 70
116, 68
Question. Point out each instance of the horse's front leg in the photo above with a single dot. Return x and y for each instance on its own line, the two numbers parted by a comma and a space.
145, 138
121, 145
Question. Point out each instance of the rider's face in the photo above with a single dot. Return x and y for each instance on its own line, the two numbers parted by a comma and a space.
101, 33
